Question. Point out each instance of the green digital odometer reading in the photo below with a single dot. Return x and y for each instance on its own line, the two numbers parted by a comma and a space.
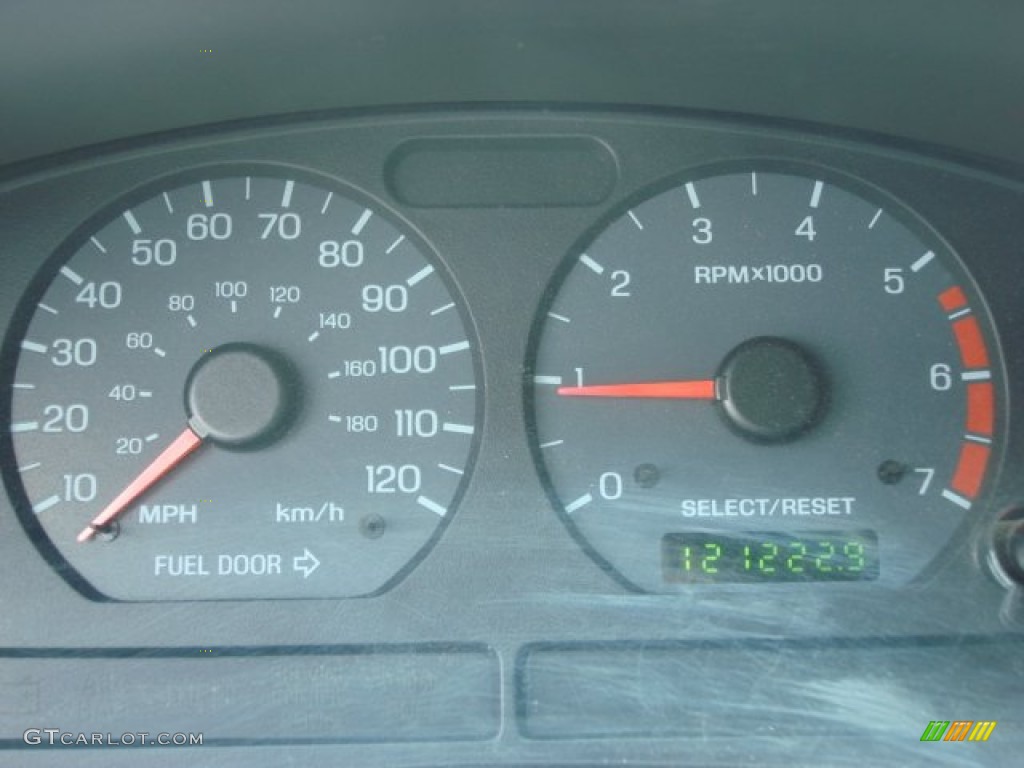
770, 557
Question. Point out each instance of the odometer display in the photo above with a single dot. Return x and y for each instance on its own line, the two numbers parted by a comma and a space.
240, 385
761, 557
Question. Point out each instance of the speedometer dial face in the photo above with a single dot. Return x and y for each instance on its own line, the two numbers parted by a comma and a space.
241, 386
764, 377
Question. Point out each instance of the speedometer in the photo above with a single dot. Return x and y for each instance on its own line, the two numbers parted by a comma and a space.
256, 384
764, 376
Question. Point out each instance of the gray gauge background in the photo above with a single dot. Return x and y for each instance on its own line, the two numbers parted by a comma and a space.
348, 497
638, 305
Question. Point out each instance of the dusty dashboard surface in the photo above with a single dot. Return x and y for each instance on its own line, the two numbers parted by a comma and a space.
500, 436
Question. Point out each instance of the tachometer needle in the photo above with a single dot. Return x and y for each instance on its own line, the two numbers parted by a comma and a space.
698, 389
172, 456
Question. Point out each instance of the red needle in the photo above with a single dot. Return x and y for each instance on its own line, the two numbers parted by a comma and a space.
171, 457
700, 389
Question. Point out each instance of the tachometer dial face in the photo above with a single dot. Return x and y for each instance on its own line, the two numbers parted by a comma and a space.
240, 386
764, 377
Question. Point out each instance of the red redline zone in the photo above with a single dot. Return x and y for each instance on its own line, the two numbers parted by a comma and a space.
980, 418
953, 299
970, 469
981, 408
973, 352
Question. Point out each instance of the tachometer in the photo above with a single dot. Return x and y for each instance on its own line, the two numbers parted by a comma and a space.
238, 385
764, 377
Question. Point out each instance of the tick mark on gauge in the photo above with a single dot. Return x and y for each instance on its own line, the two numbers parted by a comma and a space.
459, 429
286, 197
816, 194
248, 187
133, 223
559, 318
590, 264
333, 417
453, 470
978, 439
420, 276
874, 220
159, 352
145, 393
956, 498
24, 426
47, 308
207, 194
327, 202
976, 375
167, 202
45, 504
635, 220
71, 275
395, 244
191, 321
960, 313
691, 192
552, 444
98, 244
30, 467
23, 385
445, 308
361, 222
753, 184
234, 307
458, 346
548, 380
313, 336
33, 346
433, 506
922, 262
461, 387
579, 503
334, 375
277, 312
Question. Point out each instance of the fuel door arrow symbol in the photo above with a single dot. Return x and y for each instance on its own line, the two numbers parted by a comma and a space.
307, 563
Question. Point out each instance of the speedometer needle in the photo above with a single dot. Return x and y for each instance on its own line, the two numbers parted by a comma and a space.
172, 456
697, 389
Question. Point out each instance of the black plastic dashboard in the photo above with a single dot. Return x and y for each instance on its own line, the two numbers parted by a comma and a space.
510, 639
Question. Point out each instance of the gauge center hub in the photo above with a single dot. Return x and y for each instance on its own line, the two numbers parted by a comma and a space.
242, 396
772, 389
